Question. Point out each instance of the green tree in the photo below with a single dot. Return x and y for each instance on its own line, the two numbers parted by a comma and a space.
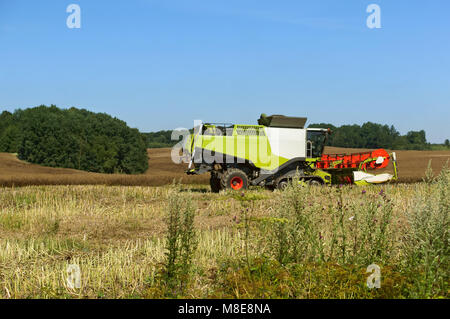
73, 138
372, 135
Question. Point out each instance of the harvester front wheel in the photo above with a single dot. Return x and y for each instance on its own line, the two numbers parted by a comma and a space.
283, 184
314, 182
234, 179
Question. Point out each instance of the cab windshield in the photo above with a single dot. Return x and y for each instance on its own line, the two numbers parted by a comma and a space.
315, 144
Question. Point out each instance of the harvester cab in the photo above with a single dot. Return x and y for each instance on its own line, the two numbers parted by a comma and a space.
274, 152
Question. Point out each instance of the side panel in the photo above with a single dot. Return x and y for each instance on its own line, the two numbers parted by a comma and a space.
287, 142
255, 149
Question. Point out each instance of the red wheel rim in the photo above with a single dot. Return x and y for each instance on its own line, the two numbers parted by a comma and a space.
382, 153
236, 182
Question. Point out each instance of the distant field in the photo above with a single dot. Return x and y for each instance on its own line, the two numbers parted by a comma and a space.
163, 171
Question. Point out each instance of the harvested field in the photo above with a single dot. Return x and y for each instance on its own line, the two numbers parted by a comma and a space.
245, 245
242, 245
163, 171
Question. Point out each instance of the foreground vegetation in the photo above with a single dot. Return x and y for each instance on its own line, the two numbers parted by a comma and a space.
182, 241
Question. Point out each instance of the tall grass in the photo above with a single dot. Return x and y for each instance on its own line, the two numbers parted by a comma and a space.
354, 228
181, 241
304, 242
426, 244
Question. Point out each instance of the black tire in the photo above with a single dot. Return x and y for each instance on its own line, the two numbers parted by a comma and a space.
234, 179
283, 184
315, 182
215, 184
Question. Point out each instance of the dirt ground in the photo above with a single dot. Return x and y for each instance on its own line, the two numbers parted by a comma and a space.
162, 171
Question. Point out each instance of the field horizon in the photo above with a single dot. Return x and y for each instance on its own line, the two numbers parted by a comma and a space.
162, 171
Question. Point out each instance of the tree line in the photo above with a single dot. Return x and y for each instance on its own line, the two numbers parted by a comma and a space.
73, 138
373, 135
369, 135
96, 142
159, 139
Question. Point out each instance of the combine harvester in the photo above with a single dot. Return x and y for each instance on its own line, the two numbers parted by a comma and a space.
274, 152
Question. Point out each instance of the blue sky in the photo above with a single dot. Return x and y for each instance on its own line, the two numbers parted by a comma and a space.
160, 64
